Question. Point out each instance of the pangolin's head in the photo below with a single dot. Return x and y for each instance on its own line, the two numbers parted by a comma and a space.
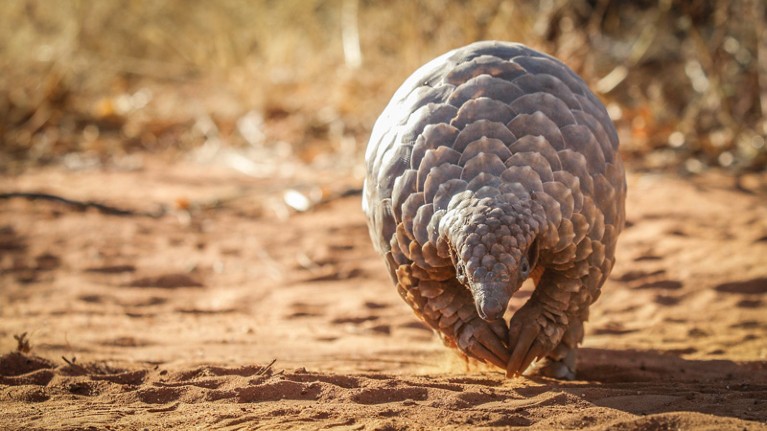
494, 250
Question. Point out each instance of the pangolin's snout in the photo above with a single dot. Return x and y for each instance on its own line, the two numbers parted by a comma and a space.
491, 300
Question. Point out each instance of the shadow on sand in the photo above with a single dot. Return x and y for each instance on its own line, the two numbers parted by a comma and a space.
652, 382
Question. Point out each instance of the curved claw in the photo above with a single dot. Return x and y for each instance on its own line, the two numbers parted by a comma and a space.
487, 337
479, 351
500, 328
481, 341
532, 335
526, 349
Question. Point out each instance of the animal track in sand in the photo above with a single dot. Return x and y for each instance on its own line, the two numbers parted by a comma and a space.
166, 281
301, 309
634, 275
750, 303
366, 323
661, 284
666, 300
651, 279
354, 320
110, 269
755, 286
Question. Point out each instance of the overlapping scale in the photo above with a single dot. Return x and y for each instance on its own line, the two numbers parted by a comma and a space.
434, 158
534, 160
485, 86
483, 108
433, 136
483, 129
550, 106
538, 124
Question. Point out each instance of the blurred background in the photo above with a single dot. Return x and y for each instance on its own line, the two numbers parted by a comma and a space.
109, 83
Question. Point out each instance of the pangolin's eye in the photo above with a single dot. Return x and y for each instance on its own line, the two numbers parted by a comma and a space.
524, 268
528, 262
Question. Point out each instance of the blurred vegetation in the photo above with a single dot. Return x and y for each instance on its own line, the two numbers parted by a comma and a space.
93, 83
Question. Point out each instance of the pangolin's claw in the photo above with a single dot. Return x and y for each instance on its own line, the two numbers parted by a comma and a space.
490, 340
500, 328
479, 351
480, 340
525, 348
536, 352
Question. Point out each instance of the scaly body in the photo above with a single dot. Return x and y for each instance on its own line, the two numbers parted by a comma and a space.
491, 164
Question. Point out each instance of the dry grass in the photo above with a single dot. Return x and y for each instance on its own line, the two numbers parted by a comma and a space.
89, 83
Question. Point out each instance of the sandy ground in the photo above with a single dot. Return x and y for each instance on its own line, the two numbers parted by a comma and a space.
232, 311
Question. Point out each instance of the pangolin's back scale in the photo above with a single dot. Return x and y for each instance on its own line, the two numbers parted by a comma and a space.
496, 122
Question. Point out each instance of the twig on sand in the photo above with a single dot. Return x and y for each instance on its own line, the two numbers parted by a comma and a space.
82, 205
267, 368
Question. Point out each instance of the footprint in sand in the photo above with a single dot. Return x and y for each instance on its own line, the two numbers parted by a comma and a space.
639, 279
111, 269
166, 281
661, 284
365, 323
639, 274
755, 286
301, 309
754, 289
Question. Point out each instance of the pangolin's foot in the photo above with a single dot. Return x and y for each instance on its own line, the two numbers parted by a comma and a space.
559, 364
485, 341
532, 335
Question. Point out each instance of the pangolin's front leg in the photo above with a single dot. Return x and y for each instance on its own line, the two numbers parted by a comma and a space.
548, 326
561, 362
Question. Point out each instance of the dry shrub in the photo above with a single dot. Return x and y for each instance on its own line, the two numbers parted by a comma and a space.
88, 82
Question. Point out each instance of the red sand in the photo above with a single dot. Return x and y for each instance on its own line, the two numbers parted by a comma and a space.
173, 322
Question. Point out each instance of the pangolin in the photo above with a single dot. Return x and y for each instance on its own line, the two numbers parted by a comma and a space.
491, 164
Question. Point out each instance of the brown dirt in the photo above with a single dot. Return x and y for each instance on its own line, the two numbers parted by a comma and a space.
173, 322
